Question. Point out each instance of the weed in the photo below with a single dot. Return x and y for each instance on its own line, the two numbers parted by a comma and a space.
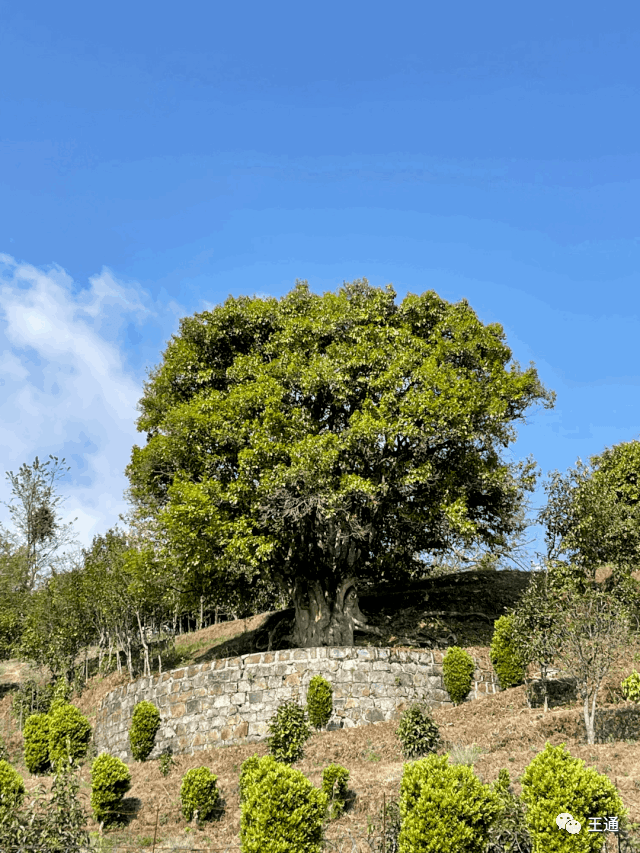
461, 754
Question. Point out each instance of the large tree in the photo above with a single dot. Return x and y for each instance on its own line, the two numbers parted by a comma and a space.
592, 515
313, 441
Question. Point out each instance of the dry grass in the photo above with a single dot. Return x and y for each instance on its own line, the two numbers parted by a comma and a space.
506, 732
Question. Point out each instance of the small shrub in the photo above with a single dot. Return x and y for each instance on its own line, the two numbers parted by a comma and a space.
59, 827
507, 663
417, 732
69, 735
110, 781
289, 733
444, 808
144, 727
36, 743
509, 832
334, 784
319, 702
281, 810
554, 783
12, 788
389, 826
458, 668
166, 761
631, 687
198, 793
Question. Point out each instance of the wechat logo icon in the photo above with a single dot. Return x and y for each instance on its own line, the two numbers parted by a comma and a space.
566, 821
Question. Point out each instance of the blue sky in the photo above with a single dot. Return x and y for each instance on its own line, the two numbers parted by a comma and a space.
156, 158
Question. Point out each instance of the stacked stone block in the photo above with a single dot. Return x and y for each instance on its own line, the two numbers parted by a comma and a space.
232, 700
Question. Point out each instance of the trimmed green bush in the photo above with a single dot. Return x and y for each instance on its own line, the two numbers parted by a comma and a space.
319, 702
555, 783
444, 808
144, 727
247, 771
631, 687
289, 733
12, 788
417, 732
335, 780
457, 669
281, 810
507, 663
110, 781
69, 735
35, 736
198, 793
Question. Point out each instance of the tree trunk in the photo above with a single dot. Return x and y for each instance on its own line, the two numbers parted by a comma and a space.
145, 646
545, 687
326, 617
590, 717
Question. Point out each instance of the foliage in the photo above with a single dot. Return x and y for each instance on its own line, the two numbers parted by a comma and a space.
508, 833
198, 793
299, 442
36, 743
289, 732
110, 781
444, 808
281, 810
556, 783
389, 824
166, 761
32, 698
457, 669
56, 628
249, 768
631, 687
12, 788
144, 727
334, 784
43, 535
4, 752
59, 827
505, 658
593, 512
594, 634
319, 702
535, 635
417, 731
69, 735
14, 572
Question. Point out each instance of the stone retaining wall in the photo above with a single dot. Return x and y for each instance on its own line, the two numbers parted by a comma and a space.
231, 700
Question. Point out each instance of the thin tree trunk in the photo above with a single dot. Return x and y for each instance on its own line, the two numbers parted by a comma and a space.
201, 625
147, 664
216, 616
590, 717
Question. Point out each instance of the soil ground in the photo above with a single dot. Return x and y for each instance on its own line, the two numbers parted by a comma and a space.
504, 730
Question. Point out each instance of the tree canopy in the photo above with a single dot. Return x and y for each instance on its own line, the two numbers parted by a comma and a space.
592, 516
311, 441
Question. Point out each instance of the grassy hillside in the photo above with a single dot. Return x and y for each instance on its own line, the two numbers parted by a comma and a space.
503, 729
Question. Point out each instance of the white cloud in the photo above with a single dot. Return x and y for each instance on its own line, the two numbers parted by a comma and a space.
66, 389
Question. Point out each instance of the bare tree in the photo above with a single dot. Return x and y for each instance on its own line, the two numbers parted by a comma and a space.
594, 634
36, 520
